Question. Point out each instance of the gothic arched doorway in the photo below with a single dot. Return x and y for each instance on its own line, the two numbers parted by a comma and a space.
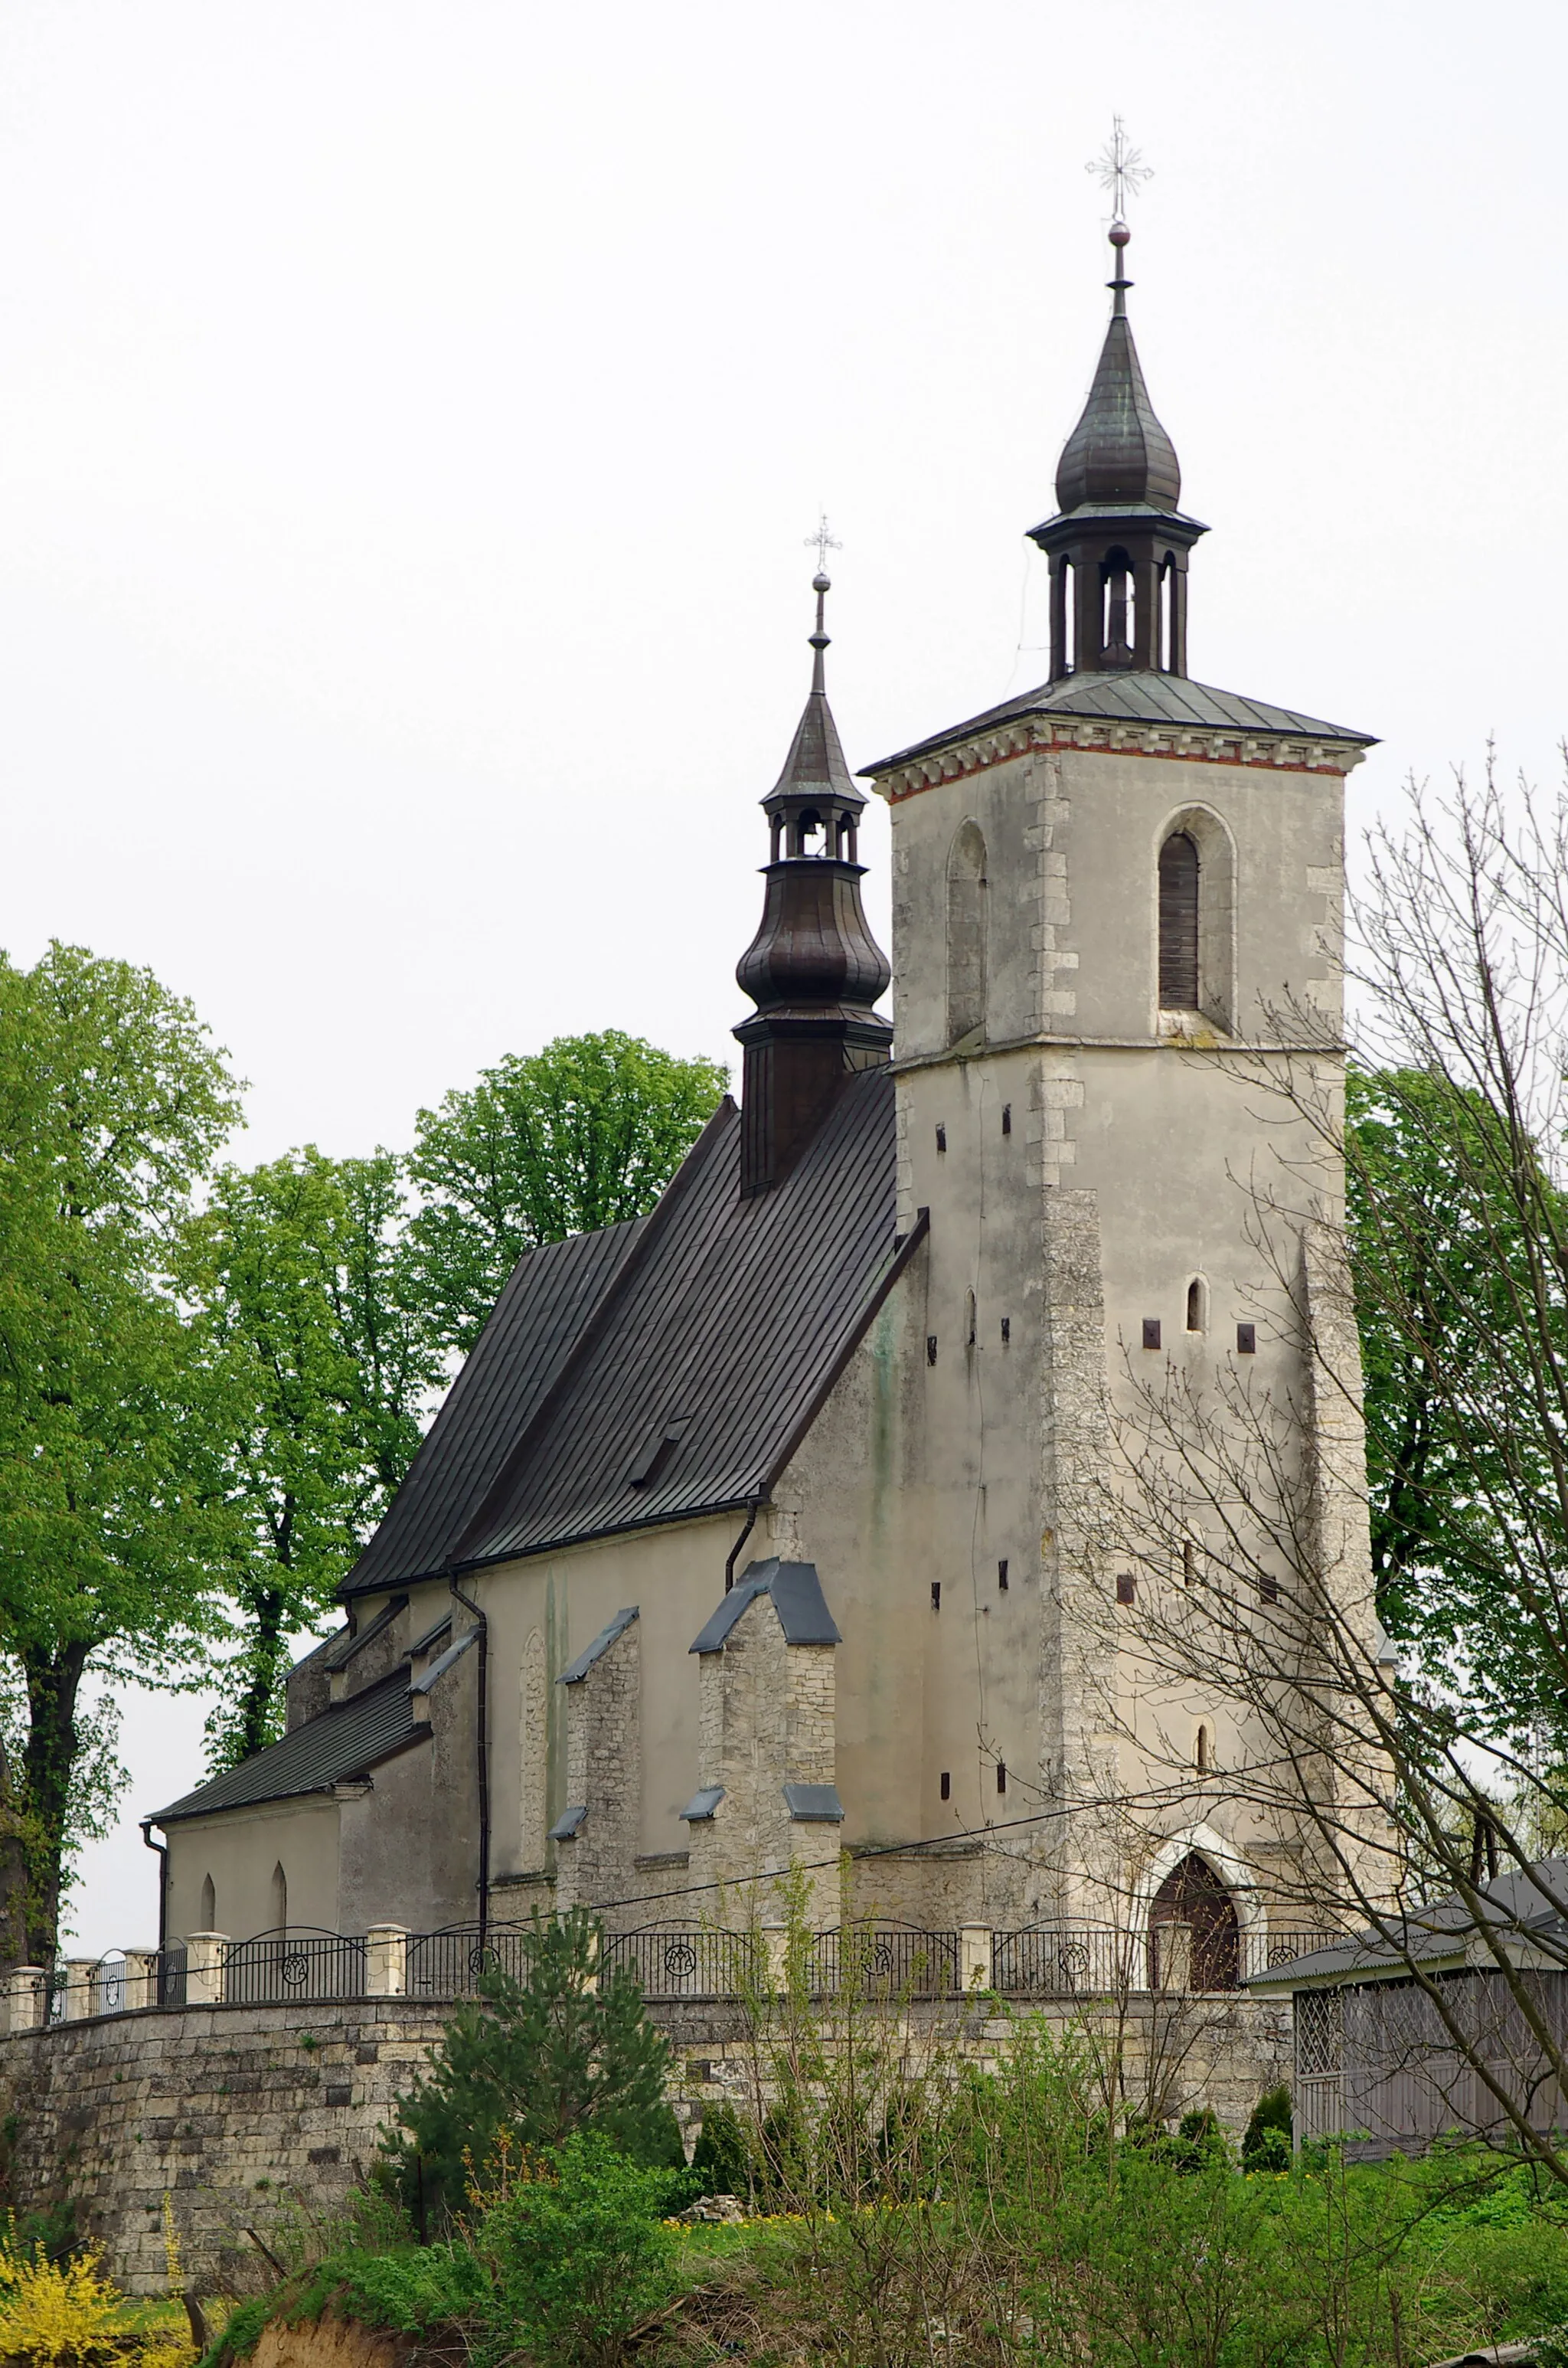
1195, 1941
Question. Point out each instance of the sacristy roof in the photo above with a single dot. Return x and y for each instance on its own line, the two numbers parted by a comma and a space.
663, 1368
344, 1742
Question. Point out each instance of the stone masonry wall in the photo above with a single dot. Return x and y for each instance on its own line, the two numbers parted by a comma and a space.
230, 2111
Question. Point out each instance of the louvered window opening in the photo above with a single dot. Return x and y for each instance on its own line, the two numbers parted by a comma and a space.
1178, 924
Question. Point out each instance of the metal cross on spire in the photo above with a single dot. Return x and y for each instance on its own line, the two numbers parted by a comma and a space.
1119, 169
822, 543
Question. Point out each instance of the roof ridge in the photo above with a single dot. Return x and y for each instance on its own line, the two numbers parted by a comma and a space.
658, 1218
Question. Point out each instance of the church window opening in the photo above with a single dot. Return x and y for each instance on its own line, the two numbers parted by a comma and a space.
946, 1785
208, 1905
279, 1921
1194, 1938
1178, 923
966, 933
971, 1319
844, 837
1001, 1775
1188, 1562
1151, 1331
1006, 1329
1118, 607
1002, 1576
936, 1595
941, 1138
1246, 1340
930, 1348
1203, 1751
1006, 1118
805, 832
1197, 1304
1126, 1587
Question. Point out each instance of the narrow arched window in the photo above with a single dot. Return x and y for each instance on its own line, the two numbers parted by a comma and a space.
966, 933
1202, 1752
208, 1905
1197, 1304
279, 1905
1178, 923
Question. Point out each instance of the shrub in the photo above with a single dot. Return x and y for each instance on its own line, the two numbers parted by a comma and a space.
722, 2159
540, 2058
578, 2251
58, 2310
1265, 2144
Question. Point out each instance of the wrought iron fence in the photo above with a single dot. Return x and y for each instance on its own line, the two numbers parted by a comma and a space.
693, 1963
1061, 1961
278, 1967
887, 1961
448, 1964
171, 1969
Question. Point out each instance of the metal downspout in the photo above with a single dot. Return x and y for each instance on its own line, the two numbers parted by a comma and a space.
482, 1723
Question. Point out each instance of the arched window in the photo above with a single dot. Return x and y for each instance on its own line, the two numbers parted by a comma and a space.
966, 933
1197, 1304
1194, 1939
209, 1905
1178, 923
278, 1919
1203, 1750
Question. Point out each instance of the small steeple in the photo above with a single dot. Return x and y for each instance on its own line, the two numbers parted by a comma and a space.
814, 968
1117, 546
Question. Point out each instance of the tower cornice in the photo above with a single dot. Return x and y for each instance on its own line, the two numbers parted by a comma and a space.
1261, 752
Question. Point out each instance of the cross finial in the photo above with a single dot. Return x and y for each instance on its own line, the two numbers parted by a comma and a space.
1119, 169
822, 543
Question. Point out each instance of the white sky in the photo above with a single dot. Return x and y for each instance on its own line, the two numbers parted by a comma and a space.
411, 417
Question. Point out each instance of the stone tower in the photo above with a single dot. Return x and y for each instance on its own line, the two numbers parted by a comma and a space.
1101, 890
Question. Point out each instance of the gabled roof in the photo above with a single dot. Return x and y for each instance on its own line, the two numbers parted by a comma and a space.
347, 1740
797, 1598
713, 1327
537, 1321
1136, 696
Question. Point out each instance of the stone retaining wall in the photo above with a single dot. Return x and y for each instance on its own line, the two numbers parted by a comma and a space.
231, 2109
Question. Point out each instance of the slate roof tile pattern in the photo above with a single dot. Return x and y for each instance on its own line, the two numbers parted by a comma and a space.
1136, 696
347, 1740
1521, 1903
719, 1318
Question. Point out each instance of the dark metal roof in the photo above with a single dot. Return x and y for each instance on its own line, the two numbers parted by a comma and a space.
567, 1824
797, 1598
1118, 451
702, 1805
1136, 696
732, 1315
537, 1321
1522, 1904
814, 1804
578, 1670
347, 1740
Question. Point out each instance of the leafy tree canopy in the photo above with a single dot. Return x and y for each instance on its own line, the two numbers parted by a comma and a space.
585, 1134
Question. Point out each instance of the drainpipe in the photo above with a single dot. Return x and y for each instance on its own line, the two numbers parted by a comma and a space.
756, 1505
482, 1723
163, 1856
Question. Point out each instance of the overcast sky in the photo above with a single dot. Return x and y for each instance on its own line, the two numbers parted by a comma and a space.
411, 416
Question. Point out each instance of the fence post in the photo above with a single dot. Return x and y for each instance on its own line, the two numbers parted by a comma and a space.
79, 1972
774, 1953
386, 1959
26, 1998
204, 1968
974, 1956
141, 1979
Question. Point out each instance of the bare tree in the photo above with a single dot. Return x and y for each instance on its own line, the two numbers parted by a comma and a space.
1391, 1783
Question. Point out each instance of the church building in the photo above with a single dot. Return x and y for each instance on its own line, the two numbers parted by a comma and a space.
764, 1528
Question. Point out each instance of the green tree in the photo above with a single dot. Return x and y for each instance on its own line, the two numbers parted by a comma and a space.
1459, 1252
541, 2057
585, 1134
320, 1363
112, 1101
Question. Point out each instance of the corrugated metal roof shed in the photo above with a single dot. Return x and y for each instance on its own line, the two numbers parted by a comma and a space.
347, 1740
712, 1326
1136, 696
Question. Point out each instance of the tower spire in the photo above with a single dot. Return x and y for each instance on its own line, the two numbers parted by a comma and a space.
814, 968
1119, 543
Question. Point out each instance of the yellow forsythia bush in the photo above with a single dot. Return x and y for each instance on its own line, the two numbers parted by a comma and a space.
59, 2312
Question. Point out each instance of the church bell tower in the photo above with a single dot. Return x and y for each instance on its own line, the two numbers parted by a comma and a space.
1106, 892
